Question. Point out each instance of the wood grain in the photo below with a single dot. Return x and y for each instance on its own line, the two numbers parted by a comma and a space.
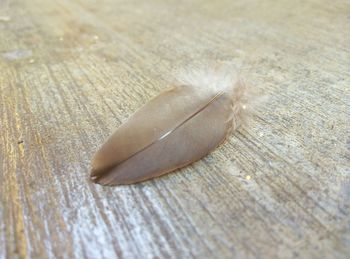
72, 71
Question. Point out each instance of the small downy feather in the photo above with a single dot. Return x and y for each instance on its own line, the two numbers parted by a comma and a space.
176, 128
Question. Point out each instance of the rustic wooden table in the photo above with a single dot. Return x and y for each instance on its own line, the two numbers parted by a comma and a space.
72, 71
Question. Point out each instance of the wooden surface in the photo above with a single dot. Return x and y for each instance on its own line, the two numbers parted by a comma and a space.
72, 71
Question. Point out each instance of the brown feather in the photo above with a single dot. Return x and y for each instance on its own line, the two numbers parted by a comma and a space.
176, 128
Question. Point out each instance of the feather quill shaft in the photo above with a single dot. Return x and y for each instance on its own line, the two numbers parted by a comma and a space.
176, 128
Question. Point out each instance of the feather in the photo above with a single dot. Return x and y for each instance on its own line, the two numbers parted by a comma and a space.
179, 126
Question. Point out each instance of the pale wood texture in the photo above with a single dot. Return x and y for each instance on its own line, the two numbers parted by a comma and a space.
72, 71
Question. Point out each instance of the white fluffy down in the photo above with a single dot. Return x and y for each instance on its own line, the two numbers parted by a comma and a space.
222, 78
210, 78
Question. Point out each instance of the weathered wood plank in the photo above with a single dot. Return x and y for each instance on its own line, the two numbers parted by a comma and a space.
72, 71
